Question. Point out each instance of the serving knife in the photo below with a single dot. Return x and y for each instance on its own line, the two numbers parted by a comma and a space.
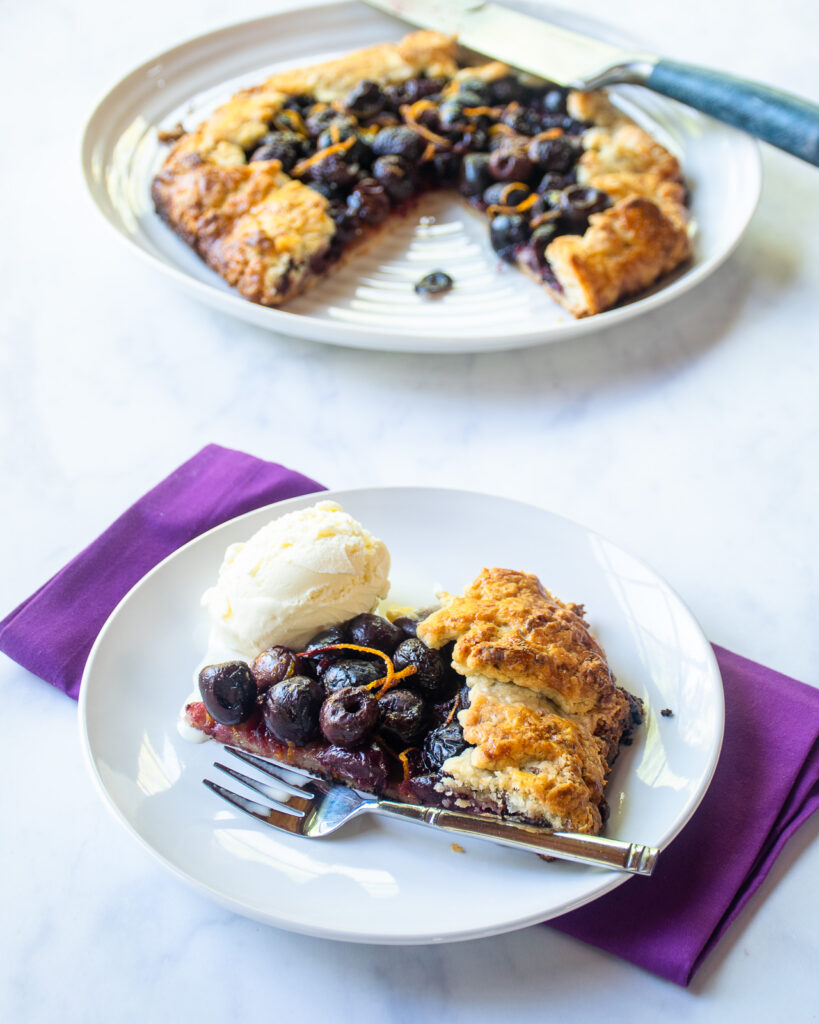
581, 62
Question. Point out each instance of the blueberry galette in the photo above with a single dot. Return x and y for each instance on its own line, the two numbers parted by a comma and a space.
500, 702
289, 178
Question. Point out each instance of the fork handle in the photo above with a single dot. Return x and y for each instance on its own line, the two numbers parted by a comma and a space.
633, 858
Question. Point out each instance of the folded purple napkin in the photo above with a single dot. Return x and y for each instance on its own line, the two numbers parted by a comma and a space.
766, 783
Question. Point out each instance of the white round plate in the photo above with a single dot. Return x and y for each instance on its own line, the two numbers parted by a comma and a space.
390, 881
370, 303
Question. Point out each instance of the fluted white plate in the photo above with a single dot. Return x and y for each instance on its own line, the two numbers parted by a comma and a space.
370, 303
379, 880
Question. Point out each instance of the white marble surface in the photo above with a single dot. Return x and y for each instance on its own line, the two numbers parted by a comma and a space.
689, 436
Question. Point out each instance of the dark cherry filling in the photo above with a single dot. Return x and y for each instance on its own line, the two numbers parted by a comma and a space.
509, 146
367, 702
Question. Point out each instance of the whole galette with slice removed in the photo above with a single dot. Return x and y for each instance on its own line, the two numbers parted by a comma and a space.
289, 178
500, 702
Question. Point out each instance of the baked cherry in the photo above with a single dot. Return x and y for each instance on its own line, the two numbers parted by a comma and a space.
553, 154
472, 139
286, 147
290, 709
326, 638
429, 668
364, 100
350, 672
407, 624
442, 743
521, 120
373, 631
554, 100
228, 691
321, 119
508, 165
507, 90
335, 169
554, 182
396, 175
542, 237
475, 177
369, 202
579, 202
349, 717
301, 101
358, 152
508, 193
478, 91
403, 714
437, 282
273, 665
399, 141
506, 231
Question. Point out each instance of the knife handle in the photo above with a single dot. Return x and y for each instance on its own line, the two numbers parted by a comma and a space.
777, 117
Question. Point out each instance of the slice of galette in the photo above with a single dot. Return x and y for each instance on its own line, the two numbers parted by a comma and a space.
291, 177
499, 702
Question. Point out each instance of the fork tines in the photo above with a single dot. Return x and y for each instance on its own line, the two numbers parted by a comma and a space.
288, 802
273, 767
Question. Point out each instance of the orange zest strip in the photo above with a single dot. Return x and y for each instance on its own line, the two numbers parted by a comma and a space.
544, 218
404, 759
552, 133
455, 707
316, 158
477, 111
502, 129
507, 190
428, 153
430, 136
292, 119
413, 112
388, 684
495, 208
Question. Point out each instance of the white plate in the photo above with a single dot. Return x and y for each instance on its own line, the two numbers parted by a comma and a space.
370, 303
387, 881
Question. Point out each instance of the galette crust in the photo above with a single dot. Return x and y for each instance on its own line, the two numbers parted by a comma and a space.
508, 627
545, 718
267, 235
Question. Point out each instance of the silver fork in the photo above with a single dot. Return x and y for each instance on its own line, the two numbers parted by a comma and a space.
307, 805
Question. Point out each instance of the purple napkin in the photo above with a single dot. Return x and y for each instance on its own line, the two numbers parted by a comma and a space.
765, 786
766, 783
53, 631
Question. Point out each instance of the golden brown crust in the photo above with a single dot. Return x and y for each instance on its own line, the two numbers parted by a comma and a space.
509, 628
542, 764
545, 719
624, 250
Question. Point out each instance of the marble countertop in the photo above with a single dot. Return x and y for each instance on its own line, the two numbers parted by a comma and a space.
689, 436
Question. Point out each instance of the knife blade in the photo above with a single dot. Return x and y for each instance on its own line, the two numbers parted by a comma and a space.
507, 35
581, 62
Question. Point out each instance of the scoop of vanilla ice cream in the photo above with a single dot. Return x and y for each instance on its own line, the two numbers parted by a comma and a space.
305, 571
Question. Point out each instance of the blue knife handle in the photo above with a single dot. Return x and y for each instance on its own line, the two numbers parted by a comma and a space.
783, 120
